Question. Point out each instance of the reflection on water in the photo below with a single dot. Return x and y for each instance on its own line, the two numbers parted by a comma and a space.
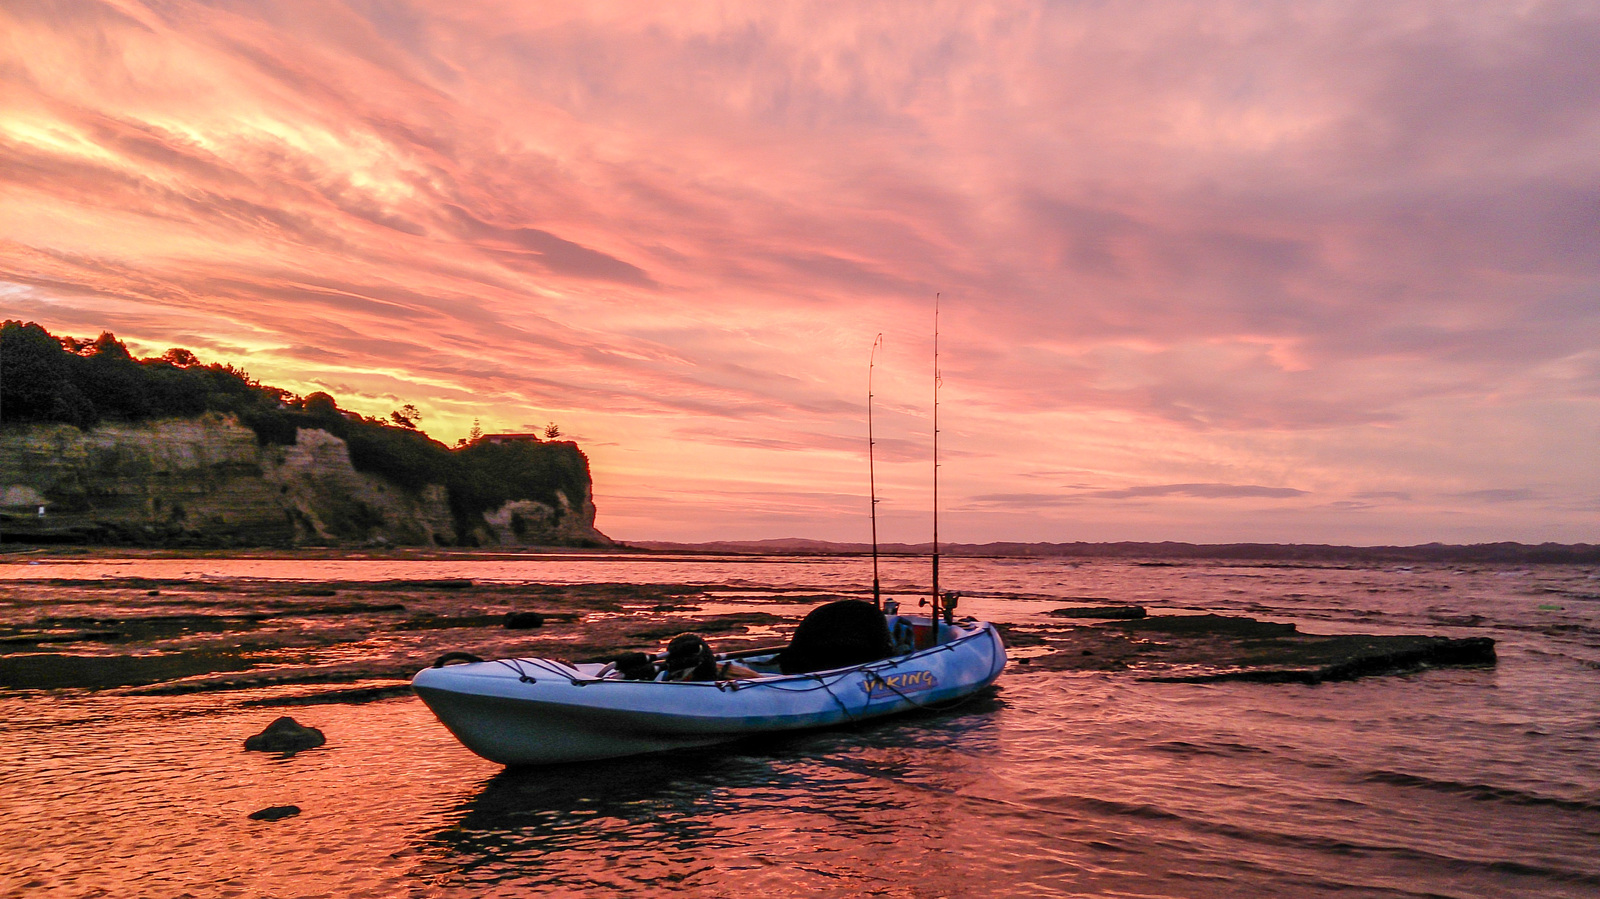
813, 814
1469, 782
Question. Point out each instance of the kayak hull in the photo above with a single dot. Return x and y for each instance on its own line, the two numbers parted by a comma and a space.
538, 711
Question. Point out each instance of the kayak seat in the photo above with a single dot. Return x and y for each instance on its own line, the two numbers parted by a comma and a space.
837, 635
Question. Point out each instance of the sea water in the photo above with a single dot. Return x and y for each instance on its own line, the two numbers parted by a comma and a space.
1452, 782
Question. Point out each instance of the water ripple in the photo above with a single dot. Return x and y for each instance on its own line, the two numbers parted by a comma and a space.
1449, 783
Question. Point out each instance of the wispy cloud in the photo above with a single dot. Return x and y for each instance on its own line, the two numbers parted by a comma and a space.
1202, 491
1501, 495
1198, 247
1154, 491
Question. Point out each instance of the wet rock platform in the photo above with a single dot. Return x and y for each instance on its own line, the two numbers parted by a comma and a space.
303, 642
325, 641
1211, 648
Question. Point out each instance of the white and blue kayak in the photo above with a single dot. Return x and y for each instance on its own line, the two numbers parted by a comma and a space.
541, 711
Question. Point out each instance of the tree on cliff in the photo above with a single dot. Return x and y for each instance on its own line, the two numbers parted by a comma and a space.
320, 405
37, 379
178, 357
78, 382
491, 474
115, 383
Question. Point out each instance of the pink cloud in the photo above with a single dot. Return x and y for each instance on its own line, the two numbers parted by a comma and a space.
1268, 245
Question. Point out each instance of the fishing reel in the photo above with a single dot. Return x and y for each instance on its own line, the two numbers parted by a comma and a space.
947, 603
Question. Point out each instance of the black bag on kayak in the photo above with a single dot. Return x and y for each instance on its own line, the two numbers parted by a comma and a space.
836, 635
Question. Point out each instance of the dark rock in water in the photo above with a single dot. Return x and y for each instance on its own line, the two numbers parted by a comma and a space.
337, 696
285, 735
1213, 625
524, 620
51, 671
1362, 658
1128, 612
275, 813
1266, 652
1211, 648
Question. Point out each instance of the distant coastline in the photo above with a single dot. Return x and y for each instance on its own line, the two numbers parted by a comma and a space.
1147, 553
1513, 553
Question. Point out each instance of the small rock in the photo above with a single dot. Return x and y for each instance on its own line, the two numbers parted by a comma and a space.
1114, 612
524, 620
275, 813
285, 735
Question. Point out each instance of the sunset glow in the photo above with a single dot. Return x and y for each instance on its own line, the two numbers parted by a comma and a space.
1217, 272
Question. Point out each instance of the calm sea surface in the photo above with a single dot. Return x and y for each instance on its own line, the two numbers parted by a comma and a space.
1453, 782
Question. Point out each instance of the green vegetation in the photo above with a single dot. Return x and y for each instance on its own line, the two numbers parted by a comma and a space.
82, 382
44, 378
492, 474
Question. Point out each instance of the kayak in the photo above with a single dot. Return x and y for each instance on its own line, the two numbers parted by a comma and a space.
543, 711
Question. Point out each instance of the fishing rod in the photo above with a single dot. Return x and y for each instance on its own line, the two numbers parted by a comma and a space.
937, 380
872, 481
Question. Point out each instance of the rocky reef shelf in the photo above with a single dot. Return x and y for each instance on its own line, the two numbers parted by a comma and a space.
1211, 648
303, 642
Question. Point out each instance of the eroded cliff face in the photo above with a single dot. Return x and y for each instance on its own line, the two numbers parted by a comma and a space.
566, 524
206, 481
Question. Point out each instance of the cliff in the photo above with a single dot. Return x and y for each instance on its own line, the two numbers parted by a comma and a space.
210, 481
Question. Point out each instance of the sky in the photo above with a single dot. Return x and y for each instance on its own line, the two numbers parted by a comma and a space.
1283, 272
